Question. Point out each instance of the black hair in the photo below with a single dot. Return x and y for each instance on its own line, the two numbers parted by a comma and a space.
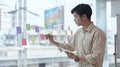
83, 9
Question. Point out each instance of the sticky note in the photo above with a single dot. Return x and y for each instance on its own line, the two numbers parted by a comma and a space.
71, 32
42, 36
36, 29
24, 42
59, 31
69, 28
19, 31
62, 27
28, 26
33, 40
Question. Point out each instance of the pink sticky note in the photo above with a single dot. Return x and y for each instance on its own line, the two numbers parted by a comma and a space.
24, 42
42, 36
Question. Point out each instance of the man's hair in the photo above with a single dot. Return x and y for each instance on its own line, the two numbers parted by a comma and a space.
83, 9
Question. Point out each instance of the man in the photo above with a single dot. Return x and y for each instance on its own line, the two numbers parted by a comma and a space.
88, 41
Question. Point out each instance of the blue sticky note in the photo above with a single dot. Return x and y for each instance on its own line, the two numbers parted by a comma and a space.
18, 30
36, 29
62, 27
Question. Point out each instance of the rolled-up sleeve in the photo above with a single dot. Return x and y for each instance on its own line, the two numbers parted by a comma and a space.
69, 46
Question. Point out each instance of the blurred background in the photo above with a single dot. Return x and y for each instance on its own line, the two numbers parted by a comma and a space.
23, 24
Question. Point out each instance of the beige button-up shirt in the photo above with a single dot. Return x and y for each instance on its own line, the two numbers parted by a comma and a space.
89, 43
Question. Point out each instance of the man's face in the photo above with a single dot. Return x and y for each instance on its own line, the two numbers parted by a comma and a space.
78, 20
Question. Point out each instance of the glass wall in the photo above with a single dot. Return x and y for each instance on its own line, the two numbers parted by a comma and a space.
23, 24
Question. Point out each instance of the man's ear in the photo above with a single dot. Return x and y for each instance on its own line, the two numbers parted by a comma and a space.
84, 16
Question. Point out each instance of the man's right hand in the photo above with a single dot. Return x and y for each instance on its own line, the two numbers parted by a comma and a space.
50, 37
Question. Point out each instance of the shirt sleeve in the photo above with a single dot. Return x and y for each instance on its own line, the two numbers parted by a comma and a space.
98, 48
69, 46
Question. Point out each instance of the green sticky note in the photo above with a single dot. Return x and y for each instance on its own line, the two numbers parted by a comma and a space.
28, 26
69, 28
62, 38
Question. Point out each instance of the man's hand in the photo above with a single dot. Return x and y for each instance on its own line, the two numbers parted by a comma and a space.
70, 55
50, 37
76, 58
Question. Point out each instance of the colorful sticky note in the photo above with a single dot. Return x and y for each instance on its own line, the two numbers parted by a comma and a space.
36, 29
24, 42
62, 27
66, 32
28, 26
71, 32
42, 36
69, 28
32, 26
33, 40
18, 30
62, 38
59, 31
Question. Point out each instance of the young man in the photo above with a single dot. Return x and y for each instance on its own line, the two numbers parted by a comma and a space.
88, 41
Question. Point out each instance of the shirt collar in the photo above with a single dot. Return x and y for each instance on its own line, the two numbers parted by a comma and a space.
89, 28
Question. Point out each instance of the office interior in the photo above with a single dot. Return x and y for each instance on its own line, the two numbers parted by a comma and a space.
23, 24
